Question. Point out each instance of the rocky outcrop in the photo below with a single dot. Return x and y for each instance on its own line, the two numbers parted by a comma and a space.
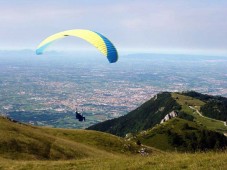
169, 116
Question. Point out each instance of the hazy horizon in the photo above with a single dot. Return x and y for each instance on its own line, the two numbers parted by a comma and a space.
177, 26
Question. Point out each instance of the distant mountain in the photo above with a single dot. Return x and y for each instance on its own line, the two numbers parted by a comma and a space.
187, 128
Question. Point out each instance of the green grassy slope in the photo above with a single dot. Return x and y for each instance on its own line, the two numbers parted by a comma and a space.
186, 102
200, 133
182, 135
20, 141
28, 147
146, 116
214, 106
171, 161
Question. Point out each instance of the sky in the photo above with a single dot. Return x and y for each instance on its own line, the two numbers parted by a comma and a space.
181, 26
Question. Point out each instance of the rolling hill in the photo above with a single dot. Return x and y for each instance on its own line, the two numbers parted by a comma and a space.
214, 107
21, 141
182, 135
185, 133
24, 146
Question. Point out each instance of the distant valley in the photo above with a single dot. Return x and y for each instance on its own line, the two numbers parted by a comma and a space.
46, 91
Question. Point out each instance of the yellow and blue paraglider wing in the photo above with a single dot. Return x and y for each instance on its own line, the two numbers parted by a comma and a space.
96, 39
111, 50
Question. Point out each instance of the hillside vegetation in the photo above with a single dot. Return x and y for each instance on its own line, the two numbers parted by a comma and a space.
160, 161
214, 107
146, 116
29, 147
21, 141
192, 107
182, 135
191, 131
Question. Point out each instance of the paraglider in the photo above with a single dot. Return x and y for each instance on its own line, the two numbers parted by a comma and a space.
80, 116
96, 39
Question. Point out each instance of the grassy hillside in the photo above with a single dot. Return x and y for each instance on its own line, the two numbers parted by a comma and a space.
20, 141
146, 116
192, 107
27, 147
160, 161
182, 135
214, 106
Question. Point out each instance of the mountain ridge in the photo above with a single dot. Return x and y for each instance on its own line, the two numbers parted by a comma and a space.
148, 116
141, 118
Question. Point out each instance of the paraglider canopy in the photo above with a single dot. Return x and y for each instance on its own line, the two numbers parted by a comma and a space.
96, 39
